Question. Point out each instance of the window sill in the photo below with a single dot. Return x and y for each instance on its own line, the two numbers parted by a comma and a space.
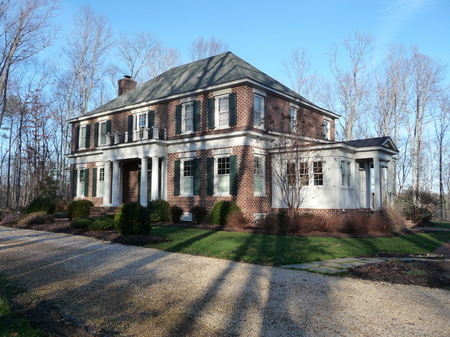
186, 195
259, 195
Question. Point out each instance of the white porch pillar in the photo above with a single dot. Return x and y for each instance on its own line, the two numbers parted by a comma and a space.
115, 184
144, 178
368, 186
163, 178
377, 183
155, 183
107, 184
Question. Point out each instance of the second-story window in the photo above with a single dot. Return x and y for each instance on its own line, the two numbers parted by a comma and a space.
258, 111
326, 129
140, 125
223, 111
188, 117
82, 140
103, 133
293, 119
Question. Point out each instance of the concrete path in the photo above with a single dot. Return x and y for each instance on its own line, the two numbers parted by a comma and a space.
135, 291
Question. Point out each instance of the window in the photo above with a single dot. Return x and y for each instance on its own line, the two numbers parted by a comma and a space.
345, 173
82, 186
293, 118
103, 128
326, 129
101, 181
188, 117
223, 175
304, 174
82, 140
223, 111
318, 173
140, 125
188, 177
258, 111
290, 169
258, 175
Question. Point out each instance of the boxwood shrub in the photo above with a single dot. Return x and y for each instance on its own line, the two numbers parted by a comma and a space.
133, 219
79, 209
221, 210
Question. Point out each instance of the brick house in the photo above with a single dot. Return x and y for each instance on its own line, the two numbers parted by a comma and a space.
210, 131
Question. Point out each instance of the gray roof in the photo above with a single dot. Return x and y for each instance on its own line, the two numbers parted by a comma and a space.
201, 74
370, 142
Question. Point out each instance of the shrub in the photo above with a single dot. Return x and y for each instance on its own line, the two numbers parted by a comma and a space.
35, 218
199, 213
81, 223
10, 218
159, 210
132, 219
41, 204
79, 209
101, 224
236, 220
176, 213
221, 211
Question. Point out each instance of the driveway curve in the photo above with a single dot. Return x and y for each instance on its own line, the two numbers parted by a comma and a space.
138, 291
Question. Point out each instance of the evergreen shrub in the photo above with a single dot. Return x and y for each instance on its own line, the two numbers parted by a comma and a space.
176, 213
199, 213
132, 219
101, 224
221, 210
79, 209
81, 223
159, 210
42, 204
35, 218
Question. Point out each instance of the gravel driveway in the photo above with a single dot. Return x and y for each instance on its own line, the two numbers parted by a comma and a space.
145, 292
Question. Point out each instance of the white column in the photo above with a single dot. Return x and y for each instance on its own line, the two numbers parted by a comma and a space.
115, 184
163, 178
107, 184
377, 184
155, 183
368, 186
144, 177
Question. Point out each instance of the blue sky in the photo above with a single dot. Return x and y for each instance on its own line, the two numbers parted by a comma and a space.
265, 32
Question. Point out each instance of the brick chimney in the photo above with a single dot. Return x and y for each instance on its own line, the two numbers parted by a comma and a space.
126, 84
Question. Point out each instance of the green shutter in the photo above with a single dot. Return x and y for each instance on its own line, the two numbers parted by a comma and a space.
197, 162
197, 107
233, 175
178, 119
94, 182
74, 183
130, 128
151, 119
86, 182
96, 125
76, 137
108, 126
88, 136
232, 106
210, 176
176, 177
211, 113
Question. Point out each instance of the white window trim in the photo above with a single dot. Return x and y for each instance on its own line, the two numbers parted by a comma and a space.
100, 122
327, 132
263, 192
347, 183
82, 144
182, 193
80, 187
136, 130
100, 191
293, 119
261, 125
183, 117
216, 112
216, 177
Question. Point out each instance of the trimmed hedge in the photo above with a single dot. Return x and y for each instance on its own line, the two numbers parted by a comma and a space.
221, 210
176, 213
159, 210
132, 219
199, 214
79, 209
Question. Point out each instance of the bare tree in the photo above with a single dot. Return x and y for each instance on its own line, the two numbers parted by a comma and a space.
24, 31
353, 85
201, 48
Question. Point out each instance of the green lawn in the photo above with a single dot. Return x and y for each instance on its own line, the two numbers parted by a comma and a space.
440, 225
276, 250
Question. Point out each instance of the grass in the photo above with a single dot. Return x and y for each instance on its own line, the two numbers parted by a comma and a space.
445, 225
276, 250
11, 323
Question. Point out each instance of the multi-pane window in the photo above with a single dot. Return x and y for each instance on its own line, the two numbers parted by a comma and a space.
101, 181
290, 171
258, 111
318, 173
188, 117
103, 134
82, 140
345, 173
140, 124
81, 182
326, 129
258, 175
223, 111
293, 118
188, 177
304, 173
223, 175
